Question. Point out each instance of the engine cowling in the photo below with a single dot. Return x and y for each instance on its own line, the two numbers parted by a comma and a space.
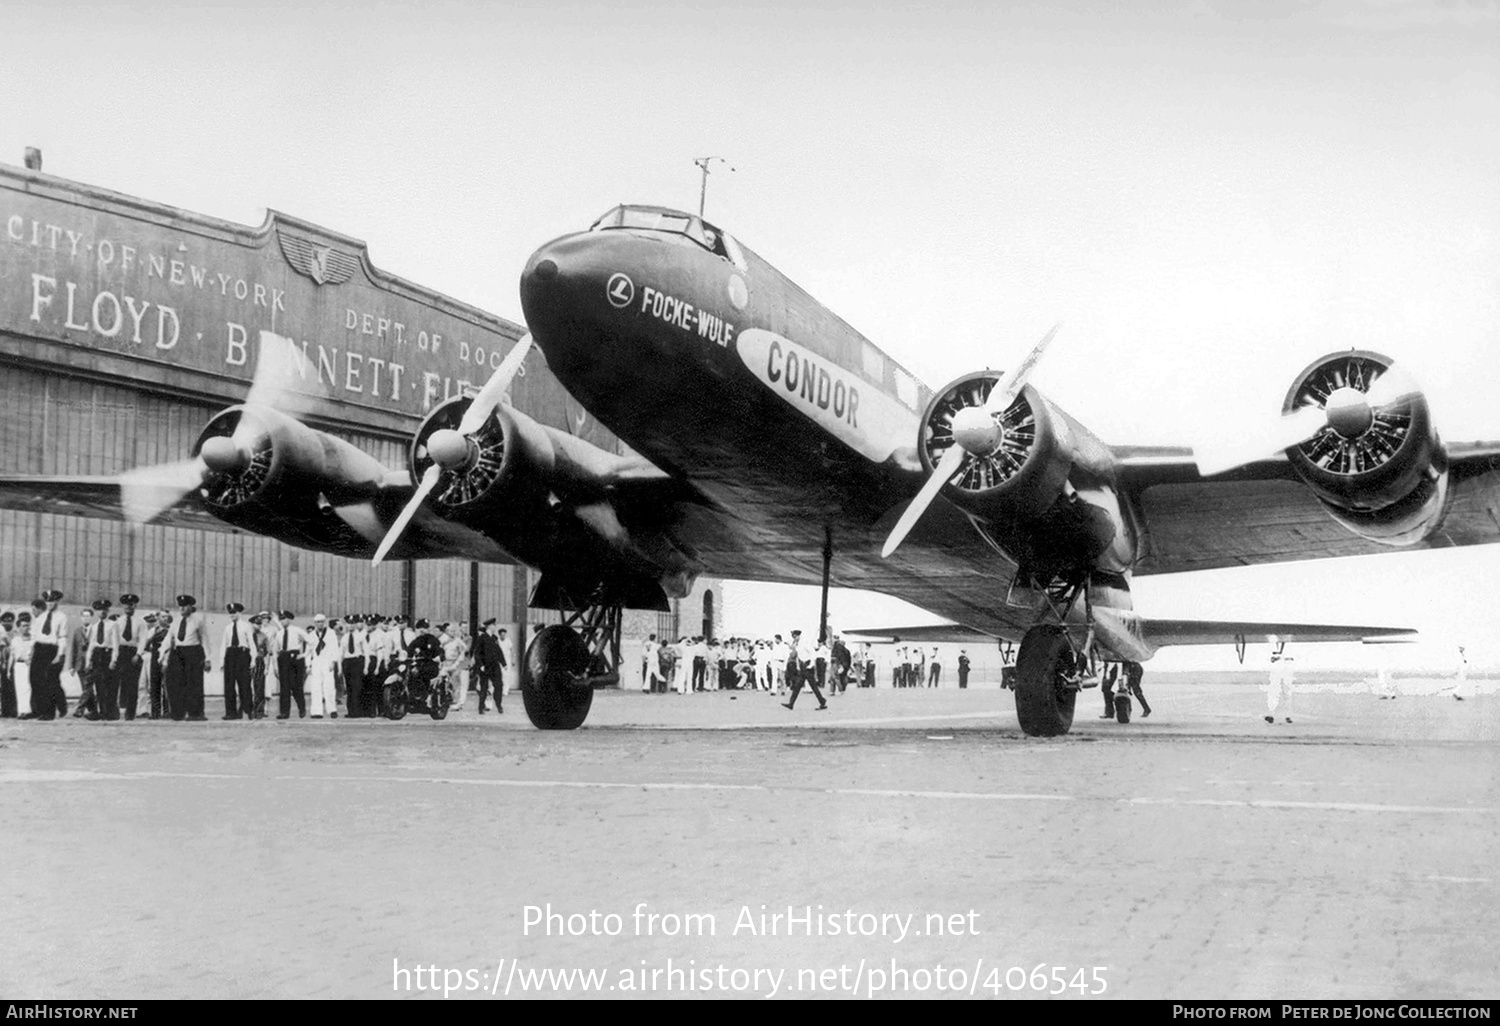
287, 479
543, 496
1380, 471
509, 475
1024, 474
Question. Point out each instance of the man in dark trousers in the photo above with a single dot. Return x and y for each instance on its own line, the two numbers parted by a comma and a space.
839, 653
1107, 688
1133, 675
236, 654
800, 670
490, 659
185, 661
352, 644
8, 708
78, 661
49, 631
126, 666
963, 669
291, 670
94, 671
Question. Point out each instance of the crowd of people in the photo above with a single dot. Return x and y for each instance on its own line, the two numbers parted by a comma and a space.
783, 665
152, 664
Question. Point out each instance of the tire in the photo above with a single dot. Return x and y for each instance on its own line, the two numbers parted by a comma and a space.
555, 661
1122, 708
1044, 703
437, 704
395, 700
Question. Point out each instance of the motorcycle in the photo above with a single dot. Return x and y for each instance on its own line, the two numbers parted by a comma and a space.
417, 682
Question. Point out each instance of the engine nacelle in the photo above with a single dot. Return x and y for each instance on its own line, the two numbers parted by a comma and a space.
286, 480
1024, 474
508, 480
1381, 471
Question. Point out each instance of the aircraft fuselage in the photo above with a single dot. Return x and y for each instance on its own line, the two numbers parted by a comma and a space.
715, 366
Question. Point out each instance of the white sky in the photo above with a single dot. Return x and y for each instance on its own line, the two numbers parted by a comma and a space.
1208, 194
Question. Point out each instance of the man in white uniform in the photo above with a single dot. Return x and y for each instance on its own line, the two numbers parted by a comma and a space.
650, 664
1279, 689
1462, 689
322, 661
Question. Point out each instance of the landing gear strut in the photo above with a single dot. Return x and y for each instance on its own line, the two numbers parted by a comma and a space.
1050, 667
565, 662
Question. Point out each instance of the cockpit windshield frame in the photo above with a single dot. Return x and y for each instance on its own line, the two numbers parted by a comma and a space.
660, 219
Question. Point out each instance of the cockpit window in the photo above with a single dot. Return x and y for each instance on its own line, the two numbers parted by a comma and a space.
657, 219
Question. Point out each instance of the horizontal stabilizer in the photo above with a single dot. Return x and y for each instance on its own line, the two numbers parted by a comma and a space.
1137, 637
932, 633
1159, 633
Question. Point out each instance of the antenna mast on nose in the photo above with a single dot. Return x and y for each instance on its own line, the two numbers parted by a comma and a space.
703, 163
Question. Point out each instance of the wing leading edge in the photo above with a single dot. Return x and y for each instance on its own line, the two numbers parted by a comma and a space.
1262, 513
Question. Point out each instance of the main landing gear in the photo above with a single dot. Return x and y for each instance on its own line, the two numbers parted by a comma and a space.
1051, 667
1046, 681
565, 662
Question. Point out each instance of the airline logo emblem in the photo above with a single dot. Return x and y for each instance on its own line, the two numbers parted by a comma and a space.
851, 409
620, 290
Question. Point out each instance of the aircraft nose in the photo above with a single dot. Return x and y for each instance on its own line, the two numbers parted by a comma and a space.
566, 284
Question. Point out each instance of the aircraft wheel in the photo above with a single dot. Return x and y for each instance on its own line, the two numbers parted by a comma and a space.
551, 690
1044, 702
1122, 708
395, 701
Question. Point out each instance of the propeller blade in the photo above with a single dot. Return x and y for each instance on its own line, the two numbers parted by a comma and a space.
278, 385
1007, 388
946, 468
494, 389
429, 482
148, 492
1293, 429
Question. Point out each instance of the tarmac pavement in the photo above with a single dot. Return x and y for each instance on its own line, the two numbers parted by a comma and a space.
1197, 854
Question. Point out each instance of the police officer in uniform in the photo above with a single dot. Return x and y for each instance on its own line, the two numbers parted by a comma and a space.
291, 670
126, 664
236, 654
353, 646
185, 662
49, 632
97, 662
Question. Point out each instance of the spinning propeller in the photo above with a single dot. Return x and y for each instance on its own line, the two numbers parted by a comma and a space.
451, 450
147, 492
976, 431
1348, 407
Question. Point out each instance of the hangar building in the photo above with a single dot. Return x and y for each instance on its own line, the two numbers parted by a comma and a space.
126, 324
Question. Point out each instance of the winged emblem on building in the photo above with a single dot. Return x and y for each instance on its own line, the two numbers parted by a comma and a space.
323, 264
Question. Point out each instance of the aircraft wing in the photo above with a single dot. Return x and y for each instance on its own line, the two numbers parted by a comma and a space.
1159, 633
1262, 513
352, 528
93, 496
